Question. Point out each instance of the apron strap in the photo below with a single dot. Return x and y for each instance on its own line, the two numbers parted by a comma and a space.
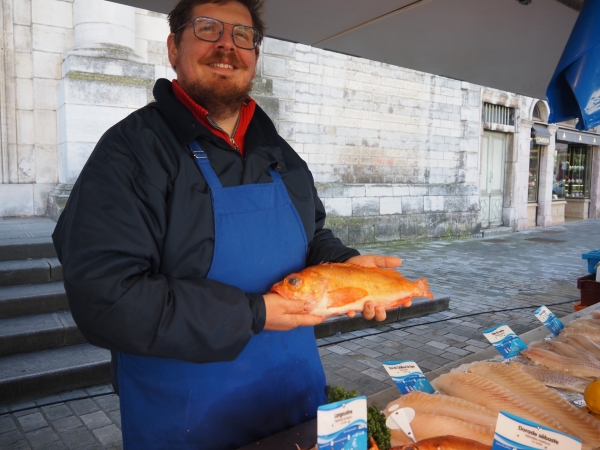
209, 174
204, 165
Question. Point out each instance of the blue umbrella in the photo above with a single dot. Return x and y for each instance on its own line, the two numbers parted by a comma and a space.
574, 91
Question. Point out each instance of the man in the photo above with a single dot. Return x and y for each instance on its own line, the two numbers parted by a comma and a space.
185, 214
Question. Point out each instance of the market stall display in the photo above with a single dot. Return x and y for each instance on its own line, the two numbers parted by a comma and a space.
497, 386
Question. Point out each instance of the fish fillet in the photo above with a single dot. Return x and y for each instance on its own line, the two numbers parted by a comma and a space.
426, 426
458, 408
595, 314
493, 396
587, 322
578, 423
557, 362
553, 378
563, 348
583, 343
593, 336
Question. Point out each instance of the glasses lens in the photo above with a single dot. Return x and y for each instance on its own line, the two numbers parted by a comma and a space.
244, 37
208, 29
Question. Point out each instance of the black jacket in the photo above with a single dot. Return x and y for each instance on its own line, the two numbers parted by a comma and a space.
136, 237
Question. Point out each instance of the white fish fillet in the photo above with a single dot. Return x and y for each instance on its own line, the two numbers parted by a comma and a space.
582, 345
558, 362
553, 378
445, 405
593, 336
579, 423
581, 342
595, 314
587, 322
426, 426
493, 396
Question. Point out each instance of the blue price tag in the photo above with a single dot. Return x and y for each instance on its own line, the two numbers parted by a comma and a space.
343, 425
549, 319
515, 433
505, 340
408, 377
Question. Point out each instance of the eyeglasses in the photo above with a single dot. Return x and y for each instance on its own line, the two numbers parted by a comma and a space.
211, 30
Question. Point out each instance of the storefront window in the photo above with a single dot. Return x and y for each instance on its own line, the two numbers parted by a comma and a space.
534, 164
572, 172
560, 171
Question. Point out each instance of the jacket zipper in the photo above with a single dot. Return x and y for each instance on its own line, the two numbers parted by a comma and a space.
235, 146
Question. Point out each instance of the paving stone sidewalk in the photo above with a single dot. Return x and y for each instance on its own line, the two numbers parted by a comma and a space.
500, 279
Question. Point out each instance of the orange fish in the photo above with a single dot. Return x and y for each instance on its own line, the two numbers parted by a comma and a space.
339, 288
445, 443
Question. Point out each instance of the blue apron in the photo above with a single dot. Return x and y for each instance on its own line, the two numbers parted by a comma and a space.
276, 382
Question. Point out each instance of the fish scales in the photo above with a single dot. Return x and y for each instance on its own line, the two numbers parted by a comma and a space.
444, 443
553, 378
474, 388
425, 426
339, 288
557, 362
578, 423
446, 405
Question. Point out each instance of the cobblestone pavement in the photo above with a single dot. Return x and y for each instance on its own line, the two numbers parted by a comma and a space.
490, 281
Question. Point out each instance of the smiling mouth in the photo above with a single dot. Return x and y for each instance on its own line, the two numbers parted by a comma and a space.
222, 66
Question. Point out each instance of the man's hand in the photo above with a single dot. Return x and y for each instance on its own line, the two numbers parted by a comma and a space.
284, 314
383, 262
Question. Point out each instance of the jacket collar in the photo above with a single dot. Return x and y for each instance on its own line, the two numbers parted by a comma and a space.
261, 131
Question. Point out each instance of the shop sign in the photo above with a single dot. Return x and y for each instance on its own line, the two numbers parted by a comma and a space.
542, 140
577, 138
541, 134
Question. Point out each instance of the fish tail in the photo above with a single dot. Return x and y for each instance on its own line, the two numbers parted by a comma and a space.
424, 288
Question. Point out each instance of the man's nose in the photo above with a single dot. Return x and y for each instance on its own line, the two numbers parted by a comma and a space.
226, 39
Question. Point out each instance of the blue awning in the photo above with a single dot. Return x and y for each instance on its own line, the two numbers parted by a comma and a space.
574, 91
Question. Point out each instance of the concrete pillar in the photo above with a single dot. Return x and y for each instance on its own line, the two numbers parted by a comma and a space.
522, 144
595, 187
103, 81
546, 180
98, 23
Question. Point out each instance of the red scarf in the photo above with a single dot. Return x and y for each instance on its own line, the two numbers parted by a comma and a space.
201, 115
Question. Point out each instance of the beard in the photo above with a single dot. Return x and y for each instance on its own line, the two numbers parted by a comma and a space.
221, 97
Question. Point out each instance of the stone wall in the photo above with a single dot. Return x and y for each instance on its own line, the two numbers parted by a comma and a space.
394, 152
373, 213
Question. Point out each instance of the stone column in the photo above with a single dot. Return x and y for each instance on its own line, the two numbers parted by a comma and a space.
546, 180
595, 187
103, 80
523, 146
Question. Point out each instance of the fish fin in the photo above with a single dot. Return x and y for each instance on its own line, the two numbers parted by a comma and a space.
344, 296
424, 287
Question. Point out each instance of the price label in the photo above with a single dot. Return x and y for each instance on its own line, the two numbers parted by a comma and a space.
515, 433
505, 340
343, 425
549, 319
408, 377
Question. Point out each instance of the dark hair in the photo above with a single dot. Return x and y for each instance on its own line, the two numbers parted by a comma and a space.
182, 13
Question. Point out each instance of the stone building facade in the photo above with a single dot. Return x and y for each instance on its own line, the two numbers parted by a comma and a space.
395, 153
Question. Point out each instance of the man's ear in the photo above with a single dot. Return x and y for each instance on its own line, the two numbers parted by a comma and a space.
172, 50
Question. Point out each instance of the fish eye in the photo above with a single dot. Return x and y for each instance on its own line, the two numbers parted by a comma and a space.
295, 281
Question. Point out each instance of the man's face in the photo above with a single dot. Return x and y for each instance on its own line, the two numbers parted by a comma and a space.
218, 68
